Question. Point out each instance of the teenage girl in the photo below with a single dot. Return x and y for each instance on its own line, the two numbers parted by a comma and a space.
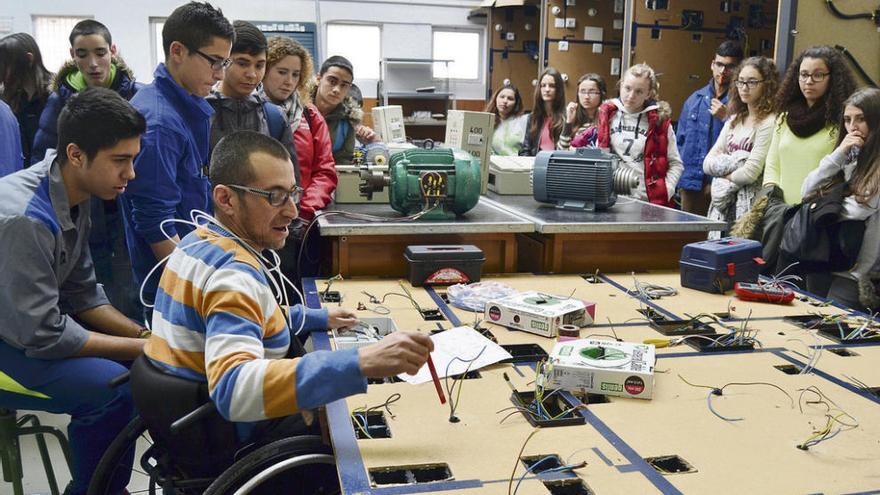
638, 130
580, 115
856, 160
510, 123
544, 125
736, 161
810, 105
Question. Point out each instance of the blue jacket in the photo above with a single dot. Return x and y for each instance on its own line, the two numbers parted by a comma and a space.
11, 159
697, 132
171, 171
47, 134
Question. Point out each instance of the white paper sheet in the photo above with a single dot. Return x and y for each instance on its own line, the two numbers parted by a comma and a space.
463, 343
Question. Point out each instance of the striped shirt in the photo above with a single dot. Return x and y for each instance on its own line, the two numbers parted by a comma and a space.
216, 321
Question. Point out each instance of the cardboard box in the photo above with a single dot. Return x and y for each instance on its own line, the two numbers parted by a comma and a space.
388, 122
472, 132
539, 313
511, 174
604, 367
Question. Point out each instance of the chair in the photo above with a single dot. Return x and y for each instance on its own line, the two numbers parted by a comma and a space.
12, 427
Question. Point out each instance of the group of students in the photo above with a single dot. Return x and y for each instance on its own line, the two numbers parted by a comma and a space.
209, 169
745, 136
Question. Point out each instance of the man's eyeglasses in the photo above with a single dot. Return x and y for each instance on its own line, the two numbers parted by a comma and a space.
751, 83
724, 67
275, 197
815, 76
589, 93
216, 63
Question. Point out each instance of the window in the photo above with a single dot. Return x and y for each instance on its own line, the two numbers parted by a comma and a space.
52, 35
158, 52
361, 44
463, 48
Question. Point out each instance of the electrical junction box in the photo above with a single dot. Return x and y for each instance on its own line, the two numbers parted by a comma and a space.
715, 265
472, 132
388, 121
367, 331
539, 313
511, 174
604, 367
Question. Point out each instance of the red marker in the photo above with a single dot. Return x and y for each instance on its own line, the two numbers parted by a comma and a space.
436, 380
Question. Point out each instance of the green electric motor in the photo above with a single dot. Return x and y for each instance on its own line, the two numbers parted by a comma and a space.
443, 183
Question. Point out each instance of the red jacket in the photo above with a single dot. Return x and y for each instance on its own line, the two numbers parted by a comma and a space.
656, 160
317, 167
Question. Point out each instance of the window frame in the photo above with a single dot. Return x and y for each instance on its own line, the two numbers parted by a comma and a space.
480, 52
359, 72
65, 42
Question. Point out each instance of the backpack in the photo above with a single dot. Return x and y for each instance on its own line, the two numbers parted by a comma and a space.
275, 120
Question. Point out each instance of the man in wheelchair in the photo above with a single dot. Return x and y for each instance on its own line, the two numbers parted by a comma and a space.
217, 323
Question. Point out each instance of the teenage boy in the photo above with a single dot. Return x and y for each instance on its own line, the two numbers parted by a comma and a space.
172, 176
341, 111
699, 125
236, 103
94, 63
60, 339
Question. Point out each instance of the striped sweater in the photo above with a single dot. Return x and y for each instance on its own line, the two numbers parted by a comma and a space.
216, 321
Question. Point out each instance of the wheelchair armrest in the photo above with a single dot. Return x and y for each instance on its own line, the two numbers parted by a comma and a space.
192, 417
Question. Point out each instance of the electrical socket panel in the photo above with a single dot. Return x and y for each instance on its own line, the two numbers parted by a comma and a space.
618, 6
618, 24
510, 36
563, 46
559, 23
570, 22
597, 47
570, 3
615, 66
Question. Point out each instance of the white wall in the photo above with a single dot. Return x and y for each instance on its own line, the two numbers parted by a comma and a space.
406, 24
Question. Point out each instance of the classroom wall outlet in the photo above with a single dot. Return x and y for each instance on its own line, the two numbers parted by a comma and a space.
618, 6
570, 2
598, 47
655, 33
570, 22
615, 66
617, 24
691, 19
563, 46
559, 23
766, 45
510, 36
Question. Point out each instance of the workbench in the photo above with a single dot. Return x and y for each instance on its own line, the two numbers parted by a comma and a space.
618, 439
517, 234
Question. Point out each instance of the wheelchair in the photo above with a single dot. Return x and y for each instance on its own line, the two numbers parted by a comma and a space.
199, 452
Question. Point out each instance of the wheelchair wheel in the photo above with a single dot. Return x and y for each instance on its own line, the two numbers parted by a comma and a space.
303, 465
113, 461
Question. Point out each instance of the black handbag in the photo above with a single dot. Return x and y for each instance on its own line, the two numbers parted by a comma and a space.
806, 236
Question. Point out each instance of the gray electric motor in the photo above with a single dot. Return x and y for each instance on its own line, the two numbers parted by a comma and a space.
584, 179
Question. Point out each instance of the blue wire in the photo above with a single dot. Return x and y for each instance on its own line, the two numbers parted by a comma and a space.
709, 401
529, 470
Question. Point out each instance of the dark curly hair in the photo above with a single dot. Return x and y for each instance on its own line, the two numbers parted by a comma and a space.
839, 88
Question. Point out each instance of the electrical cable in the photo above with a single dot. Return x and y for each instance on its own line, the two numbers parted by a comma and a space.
453, 404
518, 457
720, 391
278, 292
841, 15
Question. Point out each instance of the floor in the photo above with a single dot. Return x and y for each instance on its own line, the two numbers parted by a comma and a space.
35, 477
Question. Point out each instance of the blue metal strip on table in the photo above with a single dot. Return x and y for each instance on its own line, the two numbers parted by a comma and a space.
349, 463
640, 298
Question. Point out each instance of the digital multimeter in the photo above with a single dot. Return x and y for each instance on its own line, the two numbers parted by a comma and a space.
776, 294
